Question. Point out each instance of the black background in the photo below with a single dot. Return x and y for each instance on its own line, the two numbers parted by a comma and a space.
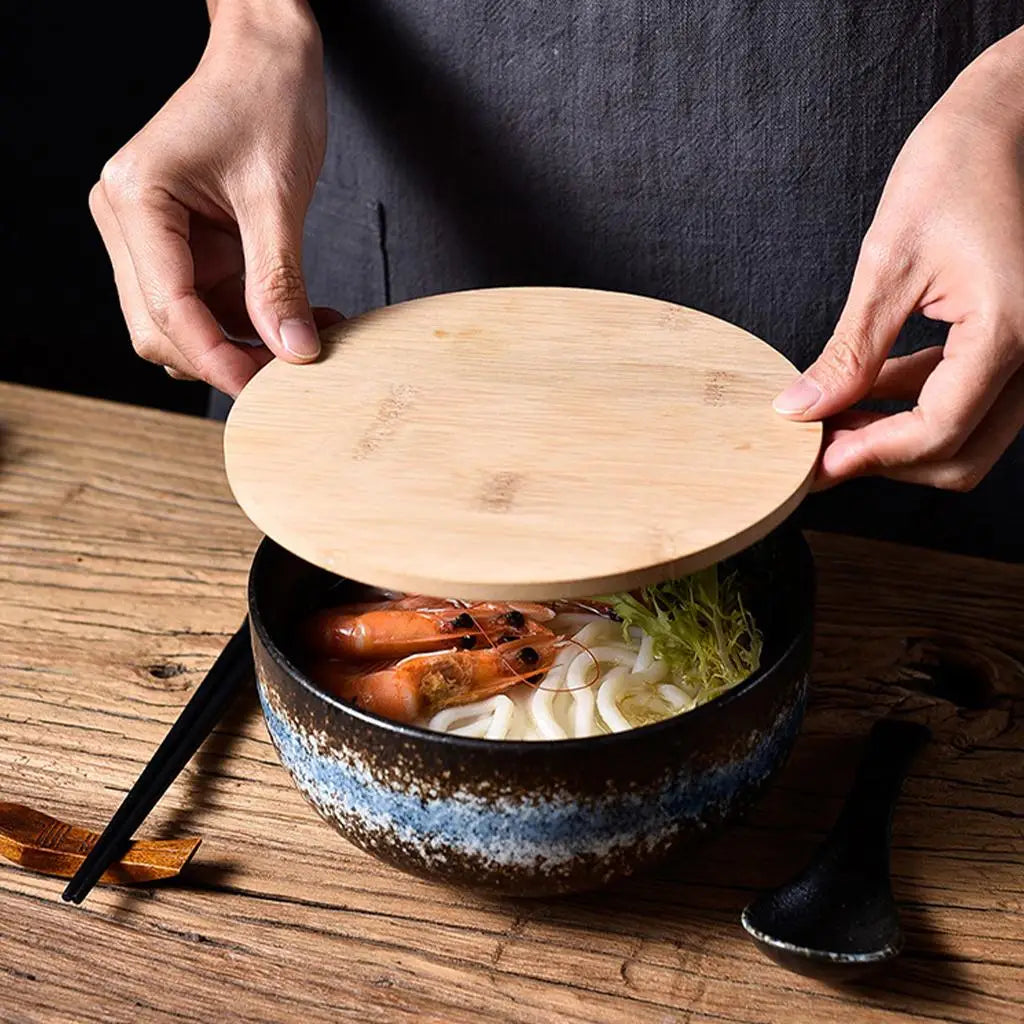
79, 82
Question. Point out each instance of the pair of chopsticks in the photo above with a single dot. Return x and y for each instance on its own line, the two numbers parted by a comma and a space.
234, 666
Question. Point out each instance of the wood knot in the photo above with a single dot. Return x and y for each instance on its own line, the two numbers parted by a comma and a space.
714, 388
499, 491
167, 670
385, 422
673, 317
721, 387
948, 670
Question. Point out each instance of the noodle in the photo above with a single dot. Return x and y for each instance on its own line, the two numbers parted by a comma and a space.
645, 656
542, 705
501, 719
599, 683
673, 696
584, 722
607, 699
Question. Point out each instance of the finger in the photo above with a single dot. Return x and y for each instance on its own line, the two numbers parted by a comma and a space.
177, 374
219, 275
148, 341
980, 453
275, 292
226, 301
836, 428
902, 377
145, 336
960, 391
155, 230
850, 420
882, 296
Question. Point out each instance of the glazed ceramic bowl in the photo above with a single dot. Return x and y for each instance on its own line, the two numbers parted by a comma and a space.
542, 817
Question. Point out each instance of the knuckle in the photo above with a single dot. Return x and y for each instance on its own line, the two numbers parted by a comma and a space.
884, 259
159, 309
95, 200
204, 364
843, 357
122, 175
943, 444
959, 477
158, 312
943, 437
280, 281
874, 253
147, 346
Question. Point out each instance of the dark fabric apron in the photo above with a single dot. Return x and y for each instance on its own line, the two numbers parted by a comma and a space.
724, 155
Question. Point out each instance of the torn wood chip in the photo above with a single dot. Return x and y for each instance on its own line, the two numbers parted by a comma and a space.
41, 843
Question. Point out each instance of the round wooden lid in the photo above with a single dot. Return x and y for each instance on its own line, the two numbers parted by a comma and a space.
524, 443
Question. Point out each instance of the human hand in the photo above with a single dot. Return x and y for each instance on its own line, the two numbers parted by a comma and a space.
947, 240
202, 211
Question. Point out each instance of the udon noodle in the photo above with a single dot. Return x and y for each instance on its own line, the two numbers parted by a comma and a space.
627, 687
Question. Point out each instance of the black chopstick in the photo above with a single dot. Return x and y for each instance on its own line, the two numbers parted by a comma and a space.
234, 665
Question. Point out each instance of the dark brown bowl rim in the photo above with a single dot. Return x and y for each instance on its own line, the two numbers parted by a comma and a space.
804, 568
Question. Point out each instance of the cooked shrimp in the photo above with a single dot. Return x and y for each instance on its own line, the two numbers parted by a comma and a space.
391, 695
426, 683
528, 609
392, 632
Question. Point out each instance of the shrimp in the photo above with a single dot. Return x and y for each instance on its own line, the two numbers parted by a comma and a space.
426, 683
390, 631
389, 695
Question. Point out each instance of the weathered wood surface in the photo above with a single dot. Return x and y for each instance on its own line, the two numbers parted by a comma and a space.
122, 569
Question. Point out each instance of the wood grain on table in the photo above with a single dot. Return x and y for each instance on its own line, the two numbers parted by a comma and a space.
123, 561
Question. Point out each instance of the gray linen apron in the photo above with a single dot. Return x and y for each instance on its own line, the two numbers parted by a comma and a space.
725, 154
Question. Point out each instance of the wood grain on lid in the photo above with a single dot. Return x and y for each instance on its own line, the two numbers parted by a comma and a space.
521, 442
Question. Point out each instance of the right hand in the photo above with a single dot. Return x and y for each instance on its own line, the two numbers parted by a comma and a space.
202, 211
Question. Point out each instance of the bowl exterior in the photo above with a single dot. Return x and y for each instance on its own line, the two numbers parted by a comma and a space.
530, 819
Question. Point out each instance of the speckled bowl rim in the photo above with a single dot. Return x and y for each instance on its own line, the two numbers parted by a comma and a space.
803, 568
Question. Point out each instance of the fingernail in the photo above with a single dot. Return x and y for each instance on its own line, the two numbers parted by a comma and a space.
798, 397
300, 338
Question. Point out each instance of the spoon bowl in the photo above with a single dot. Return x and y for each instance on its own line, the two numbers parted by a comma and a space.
837, 918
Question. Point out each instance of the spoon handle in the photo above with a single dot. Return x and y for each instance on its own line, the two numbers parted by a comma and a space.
863, 832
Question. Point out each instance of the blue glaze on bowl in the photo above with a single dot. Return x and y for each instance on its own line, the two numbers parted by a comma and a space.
553, 829
532, 818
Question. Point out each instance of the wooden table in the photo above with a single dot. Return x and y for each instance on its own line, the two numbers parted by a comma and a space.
124, 561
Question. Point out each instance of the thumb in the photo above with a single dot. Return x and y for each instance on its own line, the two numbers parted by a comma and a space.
275, 291
878, 305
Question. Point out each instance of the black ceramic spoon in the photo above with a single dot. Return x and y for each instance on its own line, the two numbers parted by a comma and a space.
838, 918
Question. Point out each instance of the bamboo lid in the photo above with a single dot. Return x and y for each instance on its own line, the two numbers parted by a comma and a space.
525, 443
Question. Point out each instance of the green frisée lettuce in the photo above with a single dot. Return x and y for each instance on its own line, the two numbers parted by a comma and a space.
699, 626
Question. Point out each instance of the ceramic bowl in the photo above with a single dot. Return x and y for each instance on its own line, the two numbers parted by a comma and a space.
542, 817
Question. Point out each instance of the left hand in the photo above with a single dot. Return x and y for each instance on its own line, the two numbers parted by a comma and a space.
947, 240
